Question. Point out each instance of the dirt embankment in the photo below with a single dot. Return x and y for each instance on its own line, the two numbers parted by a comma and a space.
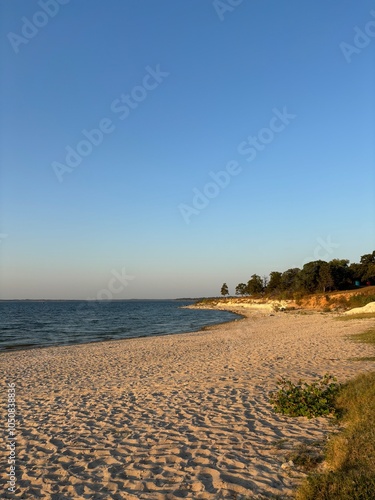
332, 301
337, 300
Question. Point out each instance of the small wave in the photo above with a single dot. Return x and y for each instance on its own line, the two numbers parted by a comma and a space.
18, 346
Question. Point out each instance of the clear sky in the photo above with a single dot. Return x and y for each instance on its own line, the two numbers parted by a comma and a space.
157, 148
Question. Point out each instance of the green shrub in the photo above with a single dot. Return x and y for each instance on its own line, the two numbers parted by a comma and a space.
350, 453
305, 400
360, 300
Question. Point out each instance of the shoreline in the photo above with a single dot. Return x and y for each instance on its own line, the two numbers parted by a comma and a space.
174, 416
30, 347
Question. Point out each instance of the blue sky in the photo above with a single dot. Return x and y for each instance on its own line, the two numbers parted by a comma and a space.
177, 86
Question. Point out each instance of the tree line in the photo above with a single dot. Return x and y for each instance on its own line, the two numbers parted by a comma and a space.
315, 276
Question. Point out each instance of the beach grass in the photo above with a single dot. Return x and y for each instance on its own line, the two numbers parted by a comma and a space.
350, 455
307, 456
367, 337
356, 316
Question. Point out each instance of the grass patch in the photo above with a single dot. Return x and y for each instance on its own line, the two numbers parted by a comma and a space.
351, 301
338, 486
356, 316
306, 457
360, 300
351, 453
368, 337
269, 496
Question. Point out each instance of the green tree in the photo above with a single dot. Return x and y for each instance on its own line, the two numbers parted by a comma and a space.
288, 280
274, 284
368, 258
265, 281
241, 289
342, 274
224, 290
370, 273
254, 285
368, 267
356, 271
325, 278
308, 278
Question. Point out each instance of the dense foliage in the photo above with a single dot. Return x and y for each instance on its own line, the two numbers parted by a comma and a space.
305, 400
315, 276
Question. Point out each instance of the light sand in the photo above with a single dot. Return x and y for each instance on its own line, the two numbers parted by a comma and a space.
368, 308
182, 416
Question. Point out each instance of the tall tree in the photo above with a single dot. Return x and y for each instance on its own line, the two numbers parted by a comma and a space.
288, 280
341, 273
325, 278
308, 278
274, 284
368, 267
241, 289
224, 290
355, 271
254, 285
368, 258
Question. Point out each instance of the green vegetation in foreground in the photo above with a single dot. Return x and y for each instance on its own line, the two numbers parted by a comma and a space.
350, 454
305, 400
368, 337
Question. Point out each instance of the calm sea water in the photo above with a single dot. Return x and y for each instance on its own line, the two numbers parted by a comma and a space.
30, 324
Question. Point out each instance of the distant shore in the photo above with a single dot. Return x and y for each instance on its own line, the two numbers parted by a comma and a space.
174, 416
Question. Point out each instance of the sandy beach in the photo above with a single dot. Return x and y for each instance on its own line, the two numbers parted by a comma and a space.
179, 416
